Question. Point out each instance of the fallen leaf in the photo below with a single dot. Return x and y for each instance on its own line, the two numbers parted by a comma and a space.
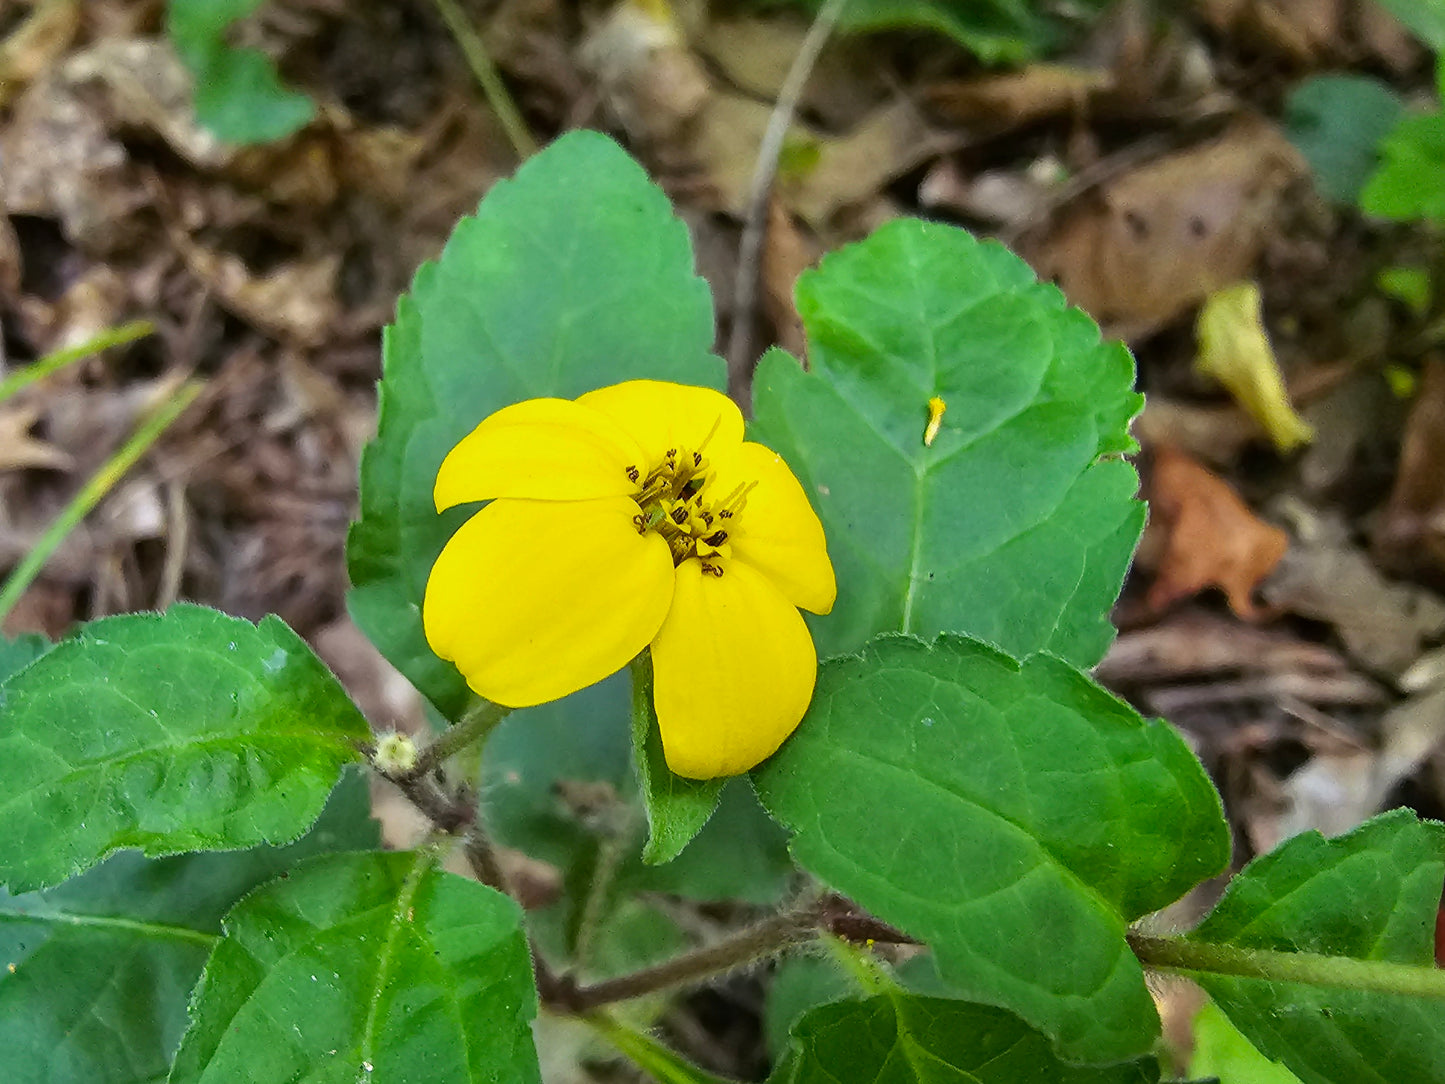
1324, 577
785, 255
649, 78
1410, 534
1213, 434
1033, 93
1144, 248
295, 300
1195, 644
1303, 30
1235, 350
1205, 537
850, 169
19, 450
36, 43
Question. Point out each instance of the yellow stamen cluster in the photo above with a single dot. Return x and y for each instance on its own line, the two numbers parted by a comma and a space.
674, 498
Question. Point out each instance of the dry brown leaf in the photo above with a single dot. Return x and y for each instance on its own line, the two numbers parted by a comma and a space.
1325, 577
1030, 94
1195, 644
649, 78
295, 300
1303, 30
1148, 246
786, 254
1410, 535
1215, 435
851, 169
754, 55
19, 450
1235, 350
1210, 538
36, 43
57, 160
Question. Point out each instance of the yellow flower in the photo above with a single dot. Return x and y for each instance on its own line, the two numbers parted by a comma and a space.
634, 515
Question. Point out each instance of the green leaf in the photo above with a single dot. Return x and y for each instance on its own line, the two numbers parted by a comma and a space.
20, 652
898, 1038
1010, 527
1371, 894
1015, 817
365, 967
101, 966
187, 730
996, 31
1220, 1051
1410, 182
1337, 122
677, 808
572, 276
1411, 286
239, 96
801, 983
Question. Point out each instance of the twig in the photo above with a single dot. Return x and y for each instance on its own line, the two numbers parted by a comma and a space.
766, 938
487, 76
745, 282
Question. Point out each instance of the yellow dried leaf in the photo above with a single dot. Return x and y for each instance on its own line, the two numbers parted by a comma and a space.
1234, 349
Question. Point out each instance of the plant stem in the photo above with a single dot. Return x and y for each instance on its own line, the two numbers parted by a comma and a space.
476, 723
495, 90
666, 1066
96, 487
52, 363
1376, 976
766, 938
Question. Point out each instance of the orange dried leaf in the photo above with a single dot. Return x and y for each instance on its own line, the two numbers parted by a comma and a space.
1210, 538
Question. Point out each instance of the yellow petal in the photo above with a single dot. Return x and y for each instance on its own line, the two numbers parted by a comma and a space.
733, 668
536, 599
542, 449
777, 531
1234, 349
661, 416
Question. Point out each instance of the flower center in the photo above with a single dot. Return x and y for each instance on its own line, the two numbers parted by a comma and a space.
679, 502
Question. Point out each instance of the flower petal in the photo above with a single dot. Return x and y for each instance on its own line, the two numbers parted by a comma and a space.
536, 599
733, 668
777, 532
661, 416
541, 449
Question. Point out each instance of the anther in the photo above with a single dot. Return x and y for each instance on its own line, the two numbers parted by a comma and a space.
633, 474
717, 538
679, 516
697, 459
712, 570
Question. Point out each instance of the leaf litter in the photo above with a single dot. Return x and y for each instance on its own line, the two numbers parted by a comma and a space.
1286, 611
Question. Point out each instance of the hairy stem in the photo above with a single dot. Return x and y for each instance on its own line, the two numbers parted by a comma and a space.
478, 721
766, 938
1199, 957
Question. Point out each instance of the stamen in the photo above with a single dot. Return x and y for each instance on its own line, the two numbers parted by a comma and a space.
717, 538
633, 474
